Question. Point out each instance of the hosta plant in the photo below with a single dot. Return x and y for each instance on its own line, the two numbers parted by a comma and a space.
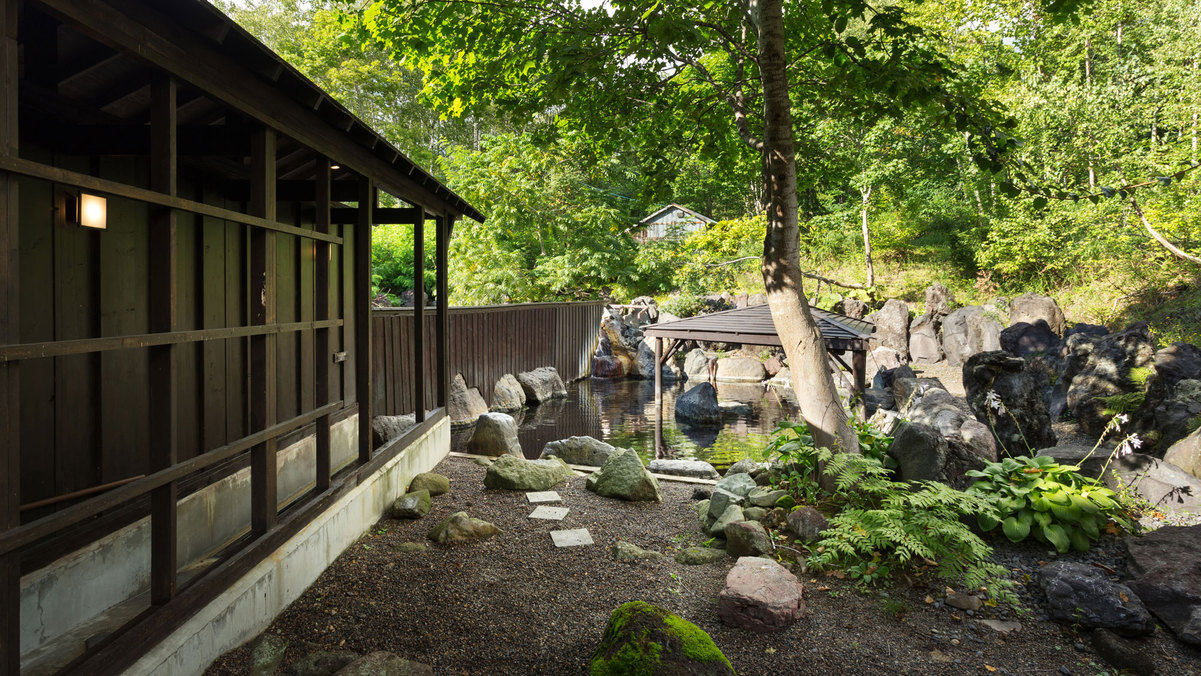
1054, 503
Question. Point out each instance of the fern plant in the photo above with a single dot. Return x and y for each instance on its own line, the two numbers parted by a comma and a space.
885, 525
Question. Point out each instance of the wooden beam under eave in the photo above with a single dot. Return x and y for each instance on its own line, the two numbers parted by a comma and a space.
442, 319
321, 350
10, 380
419, 316
362, 314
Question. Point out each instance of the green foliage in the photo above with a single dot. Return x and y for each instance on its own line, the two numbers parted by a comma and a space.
683, 305
1037, 496
881, 526
874, 444
1128, 402
392, 259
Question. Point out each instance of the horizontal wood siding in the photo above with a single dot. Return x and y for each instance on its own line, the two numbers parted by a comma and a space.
485, 343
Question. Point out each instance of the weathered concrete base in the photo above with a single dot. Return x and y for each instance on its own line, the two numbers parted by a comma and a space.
250, 604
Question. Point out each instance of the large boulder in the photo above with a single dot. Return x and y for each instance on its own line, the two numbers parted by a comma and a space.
740, 370
1108, 366
623, 339
1032, 307
892, 327
459, 527
510, 472
495, 434
1160, 483
696, 364
645, 639
694, 469
623, 477
1018, 414
464, 404
760, 595
542, 384
924, 344
432, 483
1081, 594
934, 406
1186, 454
1177, 362
851, 307
1024, 339
579, 451
922, 454
698, 406
607, 366
1167, 566
645, 364
507, 394
385, 428
939, 300
884, 358
969, 330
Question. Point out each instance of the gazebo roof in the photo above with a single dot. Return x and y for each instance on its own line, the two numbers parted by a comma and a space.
754, 326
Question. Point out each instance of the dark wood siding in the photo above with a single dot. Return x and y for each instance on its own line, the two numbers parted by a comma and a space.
485, 343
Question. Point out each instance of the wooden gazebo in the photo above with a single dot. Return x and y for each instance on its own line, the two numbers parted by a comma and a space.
753, 326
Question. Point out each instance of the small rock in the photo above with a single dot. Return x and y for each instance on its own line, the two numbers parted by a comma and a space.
696, 469
435, 484
760, 595
747, 538
623, 477
964, 601
495, 434
697, 556
507, 394
518, 474
459, 527
321, 663
701, 493
765, 497
625, 551
807, 523
645, 639
698, 406
412, 505
740, 484
722, 499
745, 466
409, 548
1122, 653
266, 653
542, 384
733, 514
754, 513
1078, 593
580, 450
384, 664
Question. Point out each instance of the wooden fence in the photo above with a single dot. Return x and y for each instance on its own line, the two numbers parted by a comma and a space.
486, 342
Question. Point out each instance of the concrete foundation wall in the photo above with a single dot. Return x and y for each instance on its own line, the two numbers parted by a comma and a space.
250, 604
89, 581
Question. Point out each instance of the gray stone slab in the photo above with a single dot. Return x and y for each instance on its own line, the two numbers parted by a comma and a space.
571, 538
540, 497
551, 513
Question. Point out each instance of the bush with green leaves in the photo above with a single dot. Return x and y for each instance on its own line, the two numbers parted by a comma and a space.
1054, 503
880, 526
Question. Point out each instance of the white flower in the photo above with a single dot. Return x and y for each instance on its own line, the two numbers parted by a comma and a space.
1135, 441
1121, 419
1128, 445
993, 401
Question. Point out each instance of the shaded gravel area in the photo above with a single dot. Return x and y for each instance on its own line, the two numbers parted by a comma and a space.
516, 605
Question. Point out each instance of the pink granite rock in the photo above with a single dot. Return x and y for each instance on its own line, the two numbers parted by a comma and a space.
760, 595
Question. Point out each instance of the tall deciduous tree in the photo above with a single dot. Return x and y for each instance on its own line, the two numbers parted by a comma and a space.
644, 72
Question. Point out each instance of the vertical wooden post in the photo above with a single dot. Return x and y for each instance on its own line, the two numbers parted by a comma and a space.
263, 469
321, 311
362, 313
419, 315
442, 256
658, 397
859, 367
163, 274
10, 381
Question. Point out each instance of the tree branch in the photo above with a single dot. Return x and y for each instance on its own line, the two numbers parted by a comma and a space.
1160, 238
832, 282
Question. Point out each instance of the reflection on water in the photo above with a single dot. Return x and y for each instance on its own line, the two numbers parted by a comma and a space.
623, 413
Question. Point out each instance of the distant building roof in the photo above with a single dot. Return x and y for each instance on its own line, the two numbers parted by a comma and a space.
676, 207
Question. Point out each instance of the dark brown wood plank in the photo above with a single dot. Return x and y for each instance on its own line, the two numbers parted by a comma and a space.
236, 265
322, 351
10, 375
37, 294
163, 278
262, 394
419, 316
213, 431
362, 318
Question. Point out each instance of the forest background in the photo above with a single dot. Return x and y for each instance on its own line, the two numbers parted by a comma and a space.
1108, 98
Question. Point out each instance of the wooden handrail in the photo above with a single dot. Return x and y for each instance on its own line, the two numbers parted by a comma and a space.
13, 539
79, 493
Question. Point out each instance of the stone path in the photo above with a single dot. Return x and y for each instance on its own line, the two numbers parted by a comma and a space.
540, 497
551, 513
575, 537
571, 538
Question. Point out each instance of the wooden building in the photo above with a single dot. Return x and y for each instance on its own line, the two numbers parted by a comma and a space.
671, 221
185, 338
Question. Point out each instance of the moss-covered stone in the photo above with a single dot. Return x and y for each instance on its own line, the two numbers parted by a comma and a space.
645, 640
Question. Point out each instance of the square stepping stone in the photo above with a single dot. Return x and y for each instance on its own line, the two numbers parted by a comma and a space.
551, 513
540, 497
571, 538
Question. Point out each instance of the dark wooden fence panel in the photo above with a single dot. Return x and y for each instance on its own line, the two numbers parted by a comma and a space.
486, 342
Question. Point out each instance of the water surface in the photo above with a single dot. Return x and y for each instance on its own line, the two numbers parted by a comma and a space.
623, 413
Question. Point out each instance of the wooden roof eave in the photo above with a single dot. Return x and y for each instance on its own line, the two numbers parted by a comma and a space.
191, 54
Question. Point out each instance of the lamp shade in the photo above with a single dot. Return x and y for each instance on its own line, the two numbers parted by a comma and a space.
93, 211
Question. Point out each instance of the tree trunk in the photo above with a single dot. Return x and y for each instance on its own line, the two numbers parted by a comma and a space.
782, 279
867, 240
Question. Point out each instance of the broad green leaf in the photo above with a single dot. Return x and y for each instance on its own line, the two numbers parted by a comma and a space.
1056, 536
1015, 529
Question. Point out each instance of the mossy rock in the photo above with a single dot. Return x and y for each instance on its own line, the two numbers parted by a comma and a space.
645, 640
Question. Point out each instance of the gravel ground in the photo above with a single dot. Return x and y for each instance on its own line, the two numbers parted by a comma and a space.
516, 605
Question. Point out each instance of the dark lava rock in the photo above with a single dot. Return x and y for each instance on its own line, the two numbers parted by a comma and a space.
922, 454
1107, 363
1023, 339
1024, 423
645, 639
1178, 361
321, 663
807, 523
1123, 653
1032, 308
1160, 483
1078, 593
1168, 565
385, 664
698, 406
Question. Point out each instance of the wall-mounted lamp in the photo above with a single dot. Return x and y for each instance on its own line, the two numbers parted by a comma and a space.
335, 167
89, 211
